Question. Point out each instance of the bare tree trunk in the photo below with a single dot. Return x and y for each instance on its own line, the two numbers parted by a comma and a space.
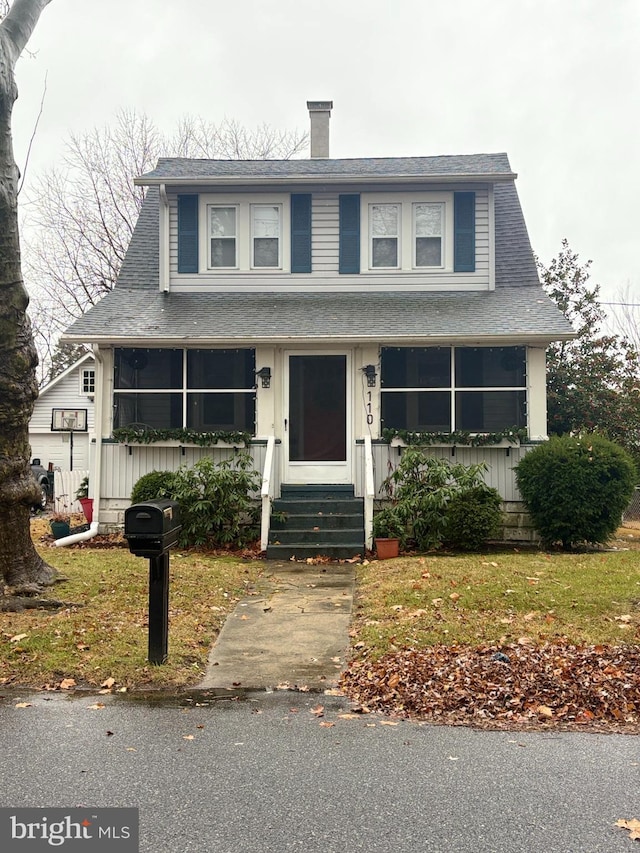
20, 564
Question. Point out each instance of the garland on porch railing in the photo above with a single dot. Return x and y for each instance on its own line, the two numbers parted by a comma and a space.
137, 435
460, 437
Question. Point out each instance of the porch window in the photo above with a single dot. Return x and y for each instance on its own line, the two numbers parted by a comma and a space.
444, 389
206, 390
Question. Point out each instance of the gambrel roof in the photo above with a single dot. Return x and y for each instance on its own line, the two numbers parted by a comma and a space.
517, 310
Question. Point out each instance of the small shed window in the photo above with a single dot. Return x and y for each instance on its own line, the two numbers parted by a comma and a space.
88, 381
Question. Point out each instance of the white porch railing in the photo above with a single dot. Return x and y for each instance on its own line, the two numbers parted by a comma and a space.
369, 492
267, 492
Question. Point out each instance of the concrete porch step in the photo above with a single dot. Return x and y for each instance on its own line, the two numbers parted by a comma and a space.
316, 520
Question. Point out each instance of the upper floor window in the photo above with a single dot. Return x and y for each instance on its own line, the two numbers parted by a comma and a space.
384, 222
88, 381
266, 229
223, 234
240, 233
428, 222
408, 233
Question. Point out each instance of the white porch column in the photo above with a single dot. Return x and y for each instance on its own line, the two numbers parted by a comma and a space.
537, 393
266, 397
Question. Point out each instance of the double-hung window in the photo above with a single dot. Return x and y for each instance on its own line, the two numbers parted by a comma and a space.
208, 390
223, 234
266, 233
234, 233
408, 231
384, 221
444, 389
428, 230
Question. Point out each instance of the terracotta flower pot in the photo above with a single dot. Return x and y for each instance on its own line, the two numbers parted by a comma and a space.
87, 508
387, 548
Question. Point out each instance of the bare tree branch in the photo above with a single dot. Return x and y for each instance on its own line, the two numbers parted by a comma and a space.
81, 216
33, 136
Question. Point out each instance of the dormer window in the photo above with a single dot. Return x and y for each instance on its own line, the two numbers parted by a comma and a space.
385, 235
266, 230
428, 226
408, 232
233, 233
223, 232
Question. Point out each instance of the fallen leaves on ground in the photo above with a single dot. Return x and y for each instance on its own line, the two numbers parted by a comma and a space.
519, 685
633, 826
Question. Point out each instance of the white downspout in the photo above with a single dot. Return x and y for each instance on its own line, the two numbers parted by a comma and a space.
164, 240
96, 474
78, 537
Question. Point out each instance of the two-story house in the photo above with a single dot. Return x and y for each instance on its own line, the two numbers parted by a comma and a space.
313, 304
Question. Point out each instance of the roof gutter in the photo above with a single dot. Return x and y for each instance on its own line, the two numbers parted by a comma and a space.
533, 339
278, 180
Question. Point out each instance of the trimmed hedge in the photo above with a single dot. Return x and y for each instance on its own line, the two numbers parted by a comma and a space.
576, 488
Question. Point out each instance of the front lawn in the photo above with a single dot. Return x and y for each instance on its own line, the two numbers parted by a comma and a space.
501, 639
102, 633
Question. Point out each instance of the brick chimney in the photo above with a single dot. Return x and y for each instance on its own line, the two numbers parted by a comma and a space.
319, 114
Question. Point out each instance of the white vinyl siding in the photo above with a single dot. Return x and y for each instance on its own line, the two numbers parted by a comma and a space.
325, 234
325, 247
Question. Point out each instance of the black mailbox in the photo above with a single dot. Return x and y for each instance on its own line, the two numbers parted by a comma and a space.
151, 528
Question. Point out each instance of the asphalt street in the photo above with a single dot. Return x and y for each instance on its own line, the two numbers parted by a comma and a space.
268, 772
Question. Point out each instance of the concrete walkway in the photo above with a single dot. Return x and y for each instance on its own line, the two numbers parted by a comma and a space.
294, 630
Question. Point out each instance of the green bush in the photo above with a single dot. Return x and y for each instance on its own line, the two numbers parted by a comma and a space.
421, 488
154, 485
473, 517
576, 488
387, 524
216, 508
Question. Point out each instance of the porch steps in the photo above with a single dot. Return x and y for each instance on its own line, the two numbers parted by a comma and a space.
316, 520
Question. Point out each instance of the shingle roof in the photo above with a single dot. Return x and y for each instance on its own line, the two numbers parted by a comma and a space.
517, 308
490, 166
192, 318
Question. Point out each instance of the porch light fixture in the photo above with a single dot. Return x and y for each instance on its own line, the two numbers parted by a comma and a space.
265, 376
369, 371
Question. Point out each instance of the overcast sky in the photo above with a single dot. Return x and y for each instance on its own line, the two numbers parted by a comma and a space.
554, 83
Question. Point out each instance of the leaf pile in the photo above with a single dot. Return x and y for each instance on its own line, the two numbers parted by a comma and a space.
520, 685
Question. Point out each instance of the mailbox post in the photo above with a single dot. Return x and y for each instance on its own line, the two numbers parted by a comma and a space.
151, 529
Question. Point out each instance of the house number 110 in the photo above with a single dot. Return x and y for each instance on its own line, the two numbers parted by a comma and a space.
369, 415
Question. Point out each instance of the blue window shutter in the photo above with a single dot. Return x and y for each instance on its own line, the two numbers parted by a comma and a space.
301, 232
464, 232
349, 261
187, 233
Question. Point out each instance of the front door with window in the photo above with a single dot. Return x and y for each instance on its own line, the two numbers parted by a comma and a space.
316, 428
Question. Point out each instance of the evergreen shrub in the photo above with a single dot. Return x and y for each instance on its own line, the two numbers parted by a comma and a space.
576, 488
215, 500
421, 489
473, 517
152, 486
